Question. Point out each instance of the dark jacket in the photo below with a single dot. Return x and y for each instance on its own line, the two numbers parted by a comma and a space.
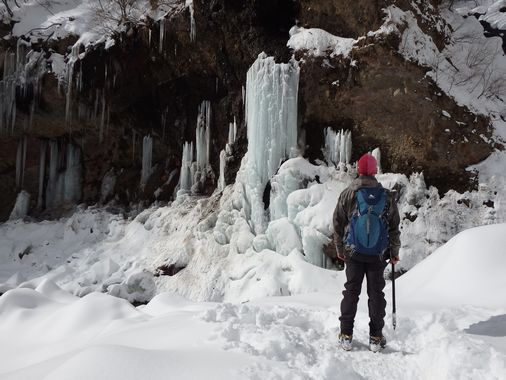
345, 208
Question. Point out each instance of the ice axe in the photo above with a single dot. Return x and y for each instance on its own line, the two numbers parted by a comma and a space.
394, 312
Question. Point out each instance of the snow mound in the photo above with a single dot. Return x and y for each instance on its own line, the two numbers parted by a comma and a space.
468, 270
318, 42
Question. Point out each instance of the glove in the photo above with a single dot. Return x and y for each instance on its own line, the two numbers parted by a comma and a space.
394, 260
340, 256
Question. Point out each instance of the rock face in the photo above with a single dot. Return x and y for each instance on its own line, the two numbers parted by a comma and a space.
143, 86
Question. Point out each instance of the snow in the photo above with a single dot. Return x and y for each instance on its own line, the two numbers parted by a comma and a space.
489, 11
318, 42
461, 272
449, 327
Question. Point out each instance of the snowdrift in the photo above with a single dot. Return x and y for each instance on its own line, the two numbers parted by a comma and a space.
468, 270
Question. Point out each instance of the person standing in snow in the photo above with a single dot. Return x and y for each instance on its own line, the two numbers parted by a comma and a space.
369, 261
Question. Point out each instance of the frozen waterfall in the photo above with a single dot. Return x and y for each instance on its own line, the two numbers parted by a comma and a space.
64, 182
193, 173
271, 117
271, 114
337, 146
227, 152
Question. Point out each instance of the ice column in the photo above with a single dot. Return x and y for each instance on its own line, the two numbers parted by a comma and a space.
42, 173
232, 135
20, 162
162, 35
8, 94
186, 177
193, 174
377, 155
64, 182
193, 28
203, 134
72, 175
74, 56
147, 153
223, 164
337, 146
271, 116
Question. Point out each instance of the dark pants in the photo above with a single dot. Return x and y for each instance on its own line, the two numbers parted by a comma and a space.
355, 271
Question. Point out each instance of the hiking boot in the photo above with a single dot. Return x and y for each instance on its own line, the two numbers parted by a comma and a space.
377, 343
345, 341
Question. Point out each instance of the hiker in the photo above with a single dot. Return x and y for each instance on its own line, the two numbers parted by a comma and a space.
366, 237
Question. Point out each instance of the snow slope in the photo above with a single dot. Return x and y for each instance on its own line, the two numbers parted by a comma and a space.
48, 333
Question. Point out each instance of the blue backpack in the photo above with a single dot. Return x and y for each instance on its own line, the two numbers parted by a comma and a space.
368, 228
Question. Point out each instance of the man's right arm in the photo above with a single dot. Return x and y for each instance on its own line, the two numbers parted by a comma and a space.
393, 228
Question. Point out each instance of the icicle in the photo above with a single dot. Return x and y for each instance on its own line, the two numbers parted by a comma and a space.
79, 79
64, 182
243, 96
20, 54
74, 56
348, 147
147, 153
21, 162
193, 28
8, 94
235, 131
133, 145
97, 99
337, 146
164, 122
231, 137
377, 155
221, 179
149, 38
42, 173
162, 35
108, 120
102, 119
53, 174
72, 175
186, 176
203, 135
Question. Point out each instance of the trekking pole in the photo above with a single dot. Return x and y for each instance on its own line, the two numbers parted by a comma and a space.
394, 313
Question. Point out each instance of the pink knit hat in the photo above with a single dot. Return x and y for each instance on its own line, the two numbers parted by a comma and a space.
367, 165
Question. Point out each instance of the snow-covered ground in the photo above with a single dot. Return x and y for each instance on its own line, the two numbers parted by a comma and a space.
450, 328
